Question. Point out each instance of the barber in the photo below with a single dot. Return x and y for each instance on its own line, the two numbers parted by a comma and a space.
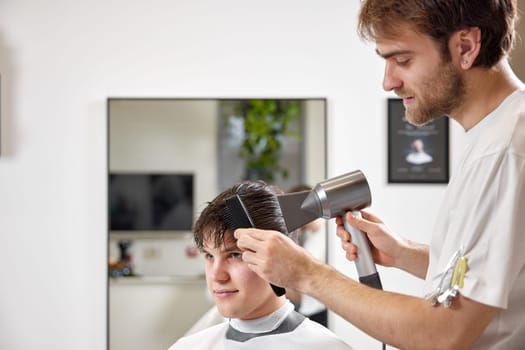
442, 57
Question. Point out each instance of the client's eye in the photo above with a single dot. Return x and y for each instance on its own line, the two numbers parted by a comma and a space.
236, 255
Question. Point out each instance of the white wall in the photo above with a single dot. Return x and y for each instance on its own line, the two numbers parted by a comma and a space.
61, 59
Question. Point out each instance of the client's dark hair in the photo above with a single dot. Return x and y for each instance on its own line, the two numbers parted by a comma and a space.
259, 199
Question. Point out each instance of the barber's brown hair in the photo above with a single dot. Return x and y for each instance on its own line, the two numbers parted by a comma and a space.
441, 18
261, 203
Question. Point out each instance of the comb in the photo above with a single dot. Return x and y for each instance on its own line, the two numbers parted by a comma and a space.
236, 216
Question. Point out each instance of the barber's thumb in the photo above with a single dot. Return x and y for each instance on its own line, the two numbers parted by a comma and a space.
351, 217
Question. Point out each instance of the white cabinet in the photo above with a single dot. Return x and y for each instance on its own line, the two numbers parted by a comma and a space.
152, 312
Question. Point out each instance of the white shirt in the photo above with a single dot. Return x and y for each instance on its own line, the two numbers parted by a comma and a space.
284, 329
483, 213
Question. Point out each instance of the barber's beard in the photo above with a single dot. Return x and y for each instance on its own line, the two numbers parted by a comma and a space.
440, 94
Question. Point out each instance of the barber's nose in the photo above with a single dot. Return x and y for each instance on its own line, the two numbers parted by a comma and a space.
390, 80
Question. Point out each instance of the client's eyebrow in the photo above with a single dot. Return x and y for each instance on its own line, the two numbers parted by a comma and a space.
231, 248
225, 249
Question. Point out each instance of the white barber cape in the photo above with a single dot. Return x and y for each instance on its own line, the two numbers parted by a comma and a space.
284, 329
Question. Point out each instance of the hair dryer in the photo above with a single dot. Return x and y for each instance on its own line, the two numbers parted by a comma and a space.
331, 198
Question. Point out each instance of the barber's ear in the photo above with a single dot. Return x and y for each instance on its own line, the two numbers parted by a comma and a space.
464, 46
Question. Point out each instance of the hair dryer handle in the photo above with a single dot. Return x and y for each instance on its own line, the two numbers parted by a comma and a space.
366, 268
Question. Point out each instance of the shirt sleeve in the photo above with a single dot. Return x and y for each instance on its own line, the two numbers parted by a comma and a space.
492, 227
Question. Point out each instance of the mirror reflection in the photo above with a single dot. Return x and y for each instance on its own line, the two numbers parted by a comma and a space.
166, 159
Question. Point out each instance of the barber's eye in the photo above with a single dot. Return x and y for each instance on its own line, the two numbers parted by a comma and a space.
403, 62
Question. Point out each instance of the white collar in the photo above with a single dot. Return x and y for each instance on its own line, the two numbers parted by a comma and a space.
475, 130
263, 324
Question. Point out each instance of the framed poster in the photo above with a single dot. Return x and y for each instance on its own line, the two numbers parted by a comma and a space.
416, 154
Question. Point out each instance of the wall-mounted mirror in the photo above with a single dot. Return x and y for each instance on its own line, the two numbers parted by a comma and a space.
166, 159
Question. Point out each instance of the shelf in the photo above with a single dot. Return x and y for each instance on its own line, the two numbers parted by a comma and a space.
198, 279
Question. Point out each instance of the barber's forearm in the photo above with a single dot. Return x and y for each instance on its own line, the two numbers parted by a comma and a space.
356, 303
414, 259
402, 321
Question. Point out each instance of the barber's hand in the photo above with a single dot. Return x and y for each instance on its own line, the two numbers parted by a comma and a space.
385, 245
274, 256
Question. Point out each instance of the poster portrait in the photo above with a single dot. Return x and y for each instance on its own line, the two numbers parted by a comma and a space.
416, 154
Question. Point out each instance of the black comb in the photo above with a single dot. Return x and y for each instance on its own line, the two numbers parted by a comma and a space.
236, 216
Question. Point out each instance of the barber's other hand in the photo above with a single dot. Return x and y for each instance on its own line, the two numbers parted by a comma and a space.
274, 256
385, 245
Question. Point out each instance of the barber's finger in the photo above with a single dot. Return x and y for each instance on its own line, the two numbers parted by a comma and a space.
256, 234
370, 217
350, 247
251, 258
360, 223
350, 250
253, 262
351, 254
346, 237
246, 239
343, 234
241, 232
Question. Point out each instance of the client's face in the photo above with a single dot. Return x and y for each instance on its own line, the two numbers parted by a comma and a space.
237, 290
